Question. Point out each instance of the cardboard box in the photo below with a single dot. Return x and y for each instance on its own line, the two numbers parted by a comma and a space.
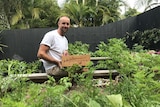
70, 60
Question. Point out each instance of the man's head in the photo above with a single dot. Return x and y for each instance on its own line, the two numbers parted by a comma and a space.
63, 25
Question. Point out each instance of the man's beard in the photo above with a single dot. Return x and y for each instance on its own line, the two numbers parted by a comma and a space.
64, 30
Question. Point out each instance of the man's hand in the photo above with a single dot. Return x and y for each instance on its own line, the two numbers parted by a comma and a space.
59, 63
65, 53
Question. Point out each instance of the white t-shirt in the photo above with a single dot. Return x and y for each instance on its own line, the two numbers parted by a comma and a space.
57, 43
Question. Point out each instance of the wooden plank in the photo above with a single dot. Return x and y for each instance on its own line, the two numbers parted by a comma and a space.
45, 75
70, 60
99, 58
32, 76
104, 72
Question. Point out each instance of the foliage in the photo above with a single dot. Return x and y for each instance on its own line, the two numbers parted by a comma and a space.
4, 24
114, 49
78, 48
18, 67
25, 14
140, 90
108, 11
138, 48
1, 46
148, 38
136, 87
131, 12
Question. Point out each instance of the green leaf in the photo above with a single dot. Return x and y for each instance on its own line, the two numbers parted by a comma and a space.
116, 100
93, 103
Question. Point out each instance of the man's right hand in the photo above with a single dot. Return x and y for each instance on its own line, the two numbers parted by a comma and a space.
59, 63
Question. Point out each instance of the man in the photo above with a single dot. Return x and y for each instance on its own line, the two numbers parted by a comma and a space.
53, 46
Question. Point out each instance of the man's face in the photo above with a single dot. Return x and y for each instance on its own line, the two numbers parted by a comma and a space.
64, 24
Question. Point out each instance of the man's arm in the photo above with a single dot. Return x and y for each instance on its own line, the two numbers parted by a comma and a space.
42, 54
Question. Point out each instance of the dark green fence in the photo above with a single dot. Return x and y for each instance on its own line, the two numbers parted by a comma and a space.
23, 44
